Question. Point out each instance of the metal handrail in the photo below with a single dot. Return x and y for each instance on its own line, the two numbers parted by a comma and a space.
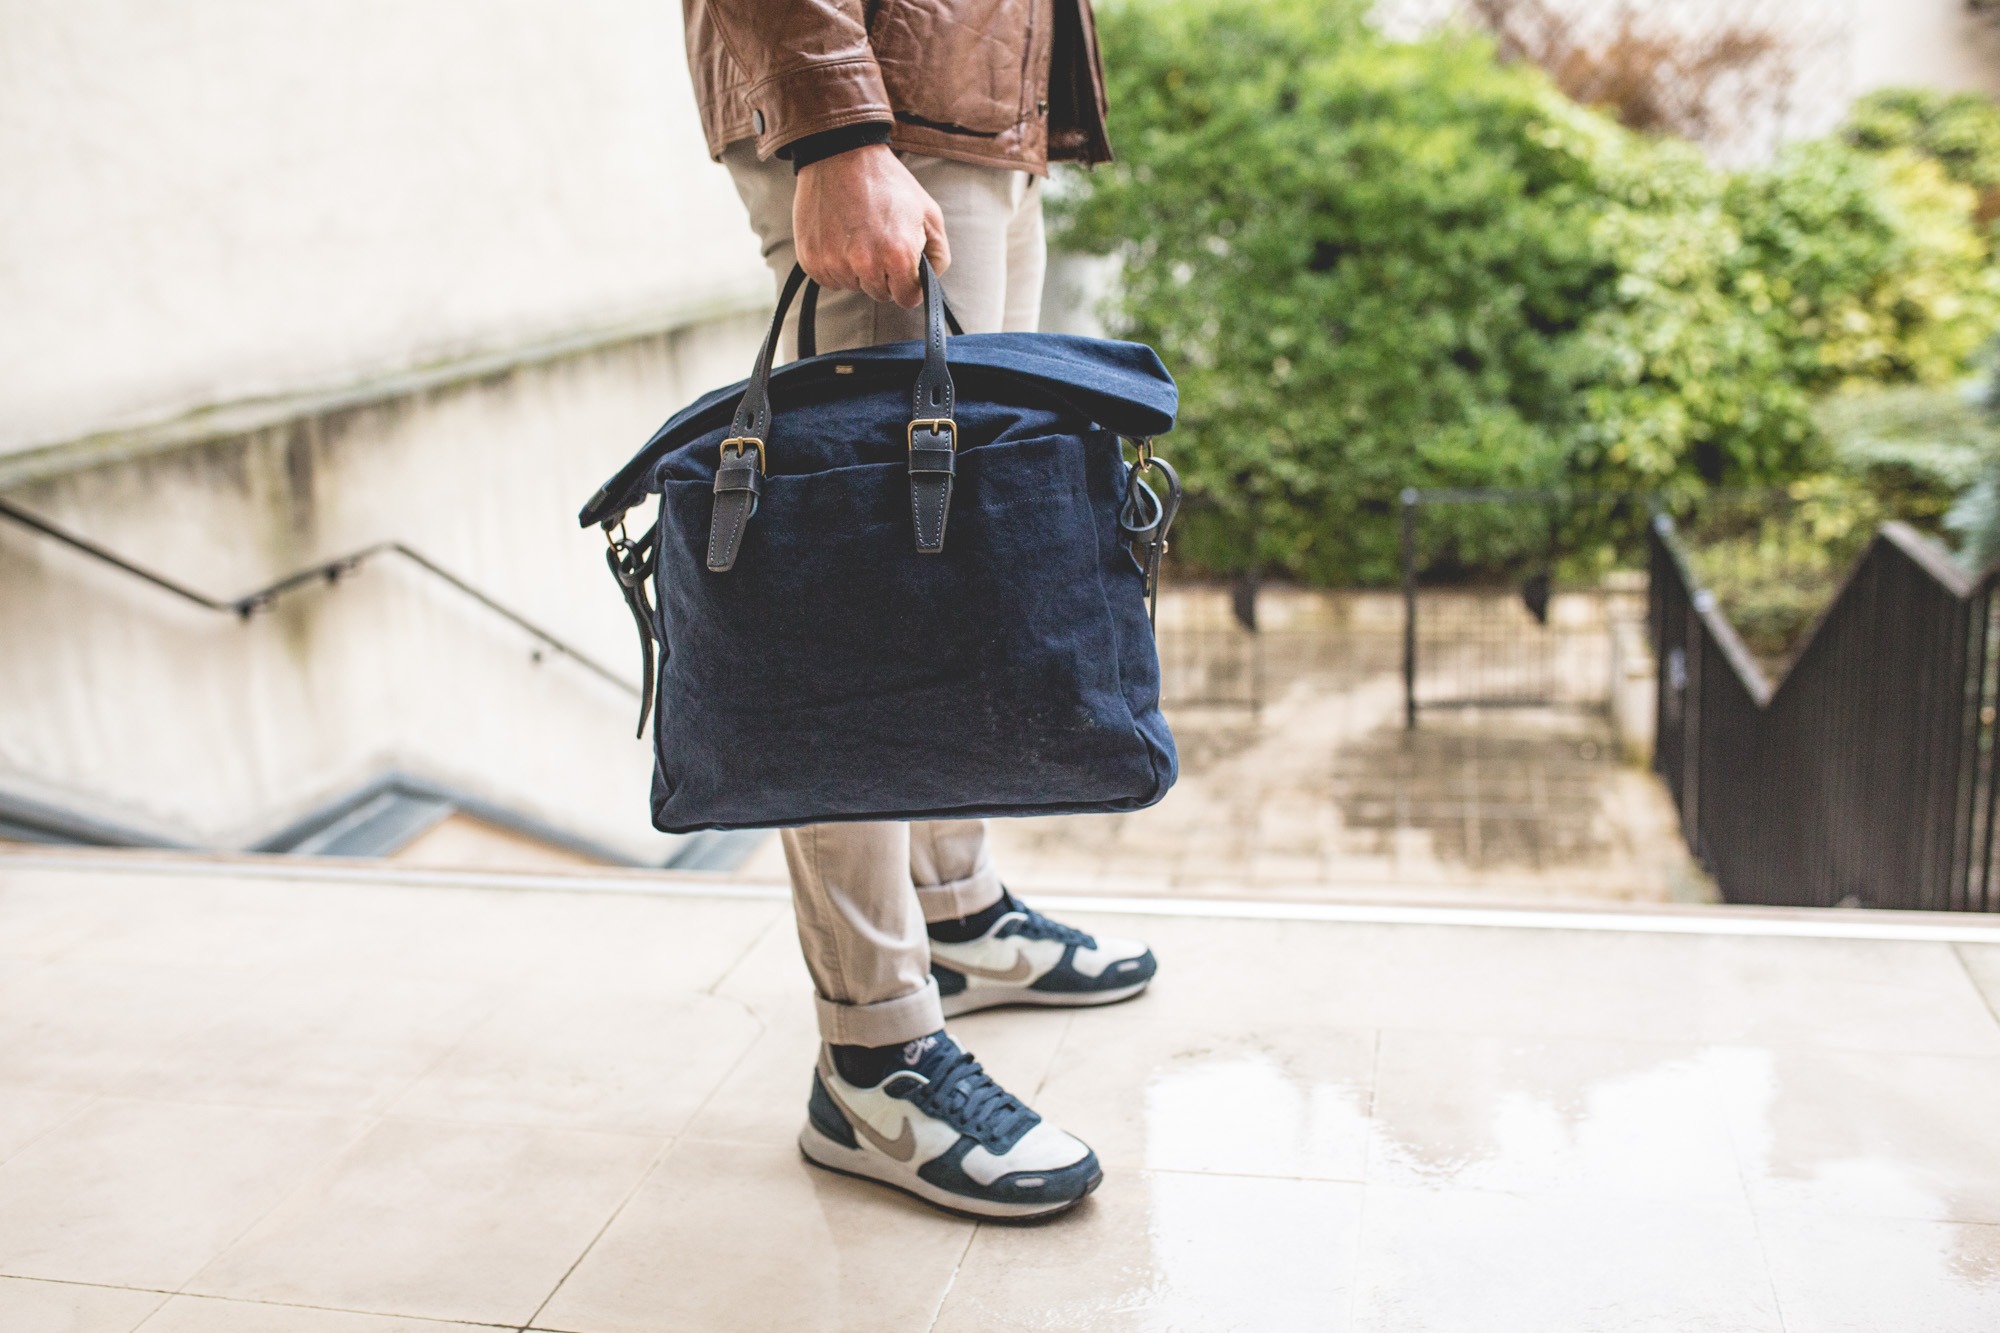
330, 571
1866, 773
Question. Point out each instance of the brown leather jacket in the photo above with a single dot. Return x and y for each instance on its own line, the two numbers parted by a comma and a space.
1011, 83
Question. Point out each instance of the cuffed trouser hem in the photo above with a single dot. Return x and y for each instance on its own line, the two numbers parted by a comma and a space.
884, 1023
960, 897
951, 865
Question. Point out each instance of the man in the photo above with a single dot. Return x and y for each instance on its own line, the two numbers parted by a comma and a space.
861, 136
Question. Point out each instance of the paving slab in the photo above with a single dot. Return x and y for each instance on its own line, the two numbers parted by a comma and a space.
569, 1103
28, 1306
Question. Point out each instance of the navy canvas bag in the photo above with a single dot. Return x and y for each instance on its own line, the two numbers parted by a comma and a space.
889, 583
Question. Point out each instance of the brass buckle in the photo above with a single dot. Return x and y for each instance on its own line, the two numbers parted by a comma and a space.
936, 426
1144, 445
739, 441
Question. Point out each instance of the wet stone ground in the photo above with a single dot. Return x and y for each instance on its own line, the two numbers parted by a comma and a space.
1299, 777
1514, 793
270, 1098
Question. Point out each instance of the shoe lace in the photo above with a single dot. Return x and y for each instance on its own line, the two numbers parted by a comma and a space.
964, 1096
1038, 927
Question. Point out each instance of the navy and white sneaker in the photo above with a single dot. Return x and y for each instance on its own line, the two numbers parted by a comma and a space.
1025, 958
942, 1130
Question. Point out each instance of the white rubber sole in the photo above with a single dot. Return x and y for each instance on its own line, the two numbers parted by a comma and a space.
974, 998
830, 1155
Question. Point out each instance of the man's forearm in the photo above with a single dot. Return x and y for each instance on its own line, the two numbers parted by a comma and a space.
807, 64
860, 220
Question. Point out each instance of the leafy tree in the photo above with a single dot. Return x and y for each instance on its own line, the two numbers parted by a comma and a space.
1959, 131
1915, 448
1865, 267
1373, 265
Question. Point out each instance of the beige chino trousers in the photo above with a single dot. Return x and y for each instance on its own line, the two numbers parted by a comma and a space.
862, 892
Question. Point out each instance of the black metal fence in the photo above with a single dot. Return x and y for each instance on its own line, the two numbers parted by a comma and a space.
1866, 776
1534, 643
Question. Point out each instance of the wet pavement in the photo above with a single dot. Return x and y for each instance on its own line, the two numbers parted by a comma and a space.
278, 1098
1513, 785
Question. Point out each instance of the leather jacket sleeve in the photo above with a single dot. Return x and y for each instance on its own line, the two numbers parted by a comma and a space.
807, 64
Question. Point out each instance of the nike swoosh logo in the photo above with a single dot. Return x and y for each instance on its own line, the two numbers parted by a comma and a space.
900, 1149
1018, 972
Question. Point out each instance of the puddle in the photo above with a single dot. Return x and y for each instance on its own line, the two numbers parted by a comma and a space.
1523, 1185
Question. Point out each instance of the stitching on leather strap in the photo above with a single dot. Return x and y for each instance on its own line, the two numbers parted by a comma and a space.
935, 538
729, 542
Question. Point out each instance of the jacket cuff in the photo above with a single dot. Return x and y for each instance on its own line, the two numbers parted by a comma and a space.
812, 98
832, 143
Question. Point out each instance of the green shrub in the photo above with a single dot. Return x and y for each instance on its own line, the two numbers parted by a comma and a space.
1374, 265
1931, 456
1959, 131
1774, 562
1916, 448
1865, 267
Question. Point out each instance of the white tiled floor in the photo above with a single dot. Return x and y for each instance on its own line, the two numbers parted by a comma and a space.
235, 1100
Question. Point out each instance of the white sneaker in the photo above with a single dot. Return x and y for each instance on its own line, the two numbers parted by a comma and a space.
941, 1129
1025, 958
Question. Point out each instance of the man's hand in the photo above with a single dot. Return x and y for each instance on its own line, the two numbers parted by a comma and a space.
860, 220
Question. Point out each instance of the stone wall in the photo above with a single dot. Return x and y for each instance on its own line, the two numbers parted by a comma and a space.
247, 198
283, 280
118, 701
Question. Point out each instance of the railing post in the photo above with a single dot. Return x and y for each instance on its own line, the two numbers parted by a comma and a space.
1965, 807
1693, 748
1985, 740
1409, 498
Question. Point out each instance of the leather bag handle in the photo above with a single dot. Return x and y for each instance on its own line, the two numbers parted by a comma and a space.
809, 321
932, 438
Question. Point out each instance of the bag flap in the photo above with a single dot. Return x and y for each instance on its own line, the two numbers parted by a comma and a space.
1121, 386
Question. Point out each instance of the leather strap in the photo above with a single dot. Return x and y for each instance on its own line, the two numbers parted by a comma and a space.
632, 563
753, 411
739, 479
933, 436
626, 484
933, 464
934, 395
809, 321
739, 482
